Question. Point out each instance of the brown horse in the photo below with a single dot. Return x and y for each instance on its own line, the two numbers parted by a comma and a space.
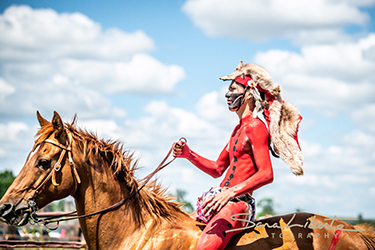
67, 161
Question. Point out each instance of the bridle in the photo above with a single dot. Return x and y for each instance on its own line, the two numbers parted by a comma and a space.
52, 175
57, 167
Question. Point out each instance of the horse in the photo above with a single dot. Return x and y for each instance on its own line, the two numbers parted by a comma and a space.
66, 161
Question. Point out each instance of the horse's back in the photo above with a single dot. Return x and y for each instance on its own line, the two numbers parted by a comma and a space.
298, 231
275, 232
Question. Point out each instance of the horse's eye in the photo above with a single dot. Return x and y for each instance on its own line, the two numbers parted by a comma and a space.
43, 163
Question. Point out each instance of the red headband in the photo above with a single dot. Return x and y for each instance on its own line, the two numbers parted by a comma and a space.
242, 81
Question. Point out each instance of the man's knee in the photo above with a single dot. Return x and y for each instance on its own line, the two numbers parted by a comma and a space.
237, 213
237, 207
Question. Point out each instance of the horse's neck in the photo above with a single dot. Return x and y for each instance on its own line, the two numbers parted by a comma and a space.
118, 229
98, 191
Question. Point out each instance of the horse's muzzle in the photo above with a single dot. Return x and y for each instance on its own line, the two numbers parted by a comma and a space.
17, 216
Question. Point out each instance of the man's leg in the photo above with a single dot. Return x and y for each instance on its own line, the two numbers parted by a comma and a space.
214, 236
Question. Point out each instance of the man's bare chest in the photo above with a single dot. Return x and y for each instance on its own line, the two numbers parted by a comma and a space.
240, 159
239, 143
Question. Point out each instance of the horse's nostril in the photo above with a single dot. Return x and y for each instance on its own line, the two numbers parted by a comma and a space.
5, 209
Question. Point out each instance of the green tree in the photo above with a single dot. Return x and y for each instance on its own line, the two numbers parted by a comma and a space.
267, 207
56, 206
180, 197
360, 219
6, 179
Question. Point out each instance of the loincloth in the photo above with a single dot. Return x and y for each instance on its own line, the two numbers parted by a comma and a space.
206, 217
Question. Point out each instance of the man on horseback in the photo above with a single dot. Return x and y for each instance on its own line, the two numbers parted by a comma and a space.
246, 156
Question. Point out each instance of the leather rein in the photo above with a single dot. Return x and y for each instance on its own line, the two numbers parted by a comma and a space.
77, 180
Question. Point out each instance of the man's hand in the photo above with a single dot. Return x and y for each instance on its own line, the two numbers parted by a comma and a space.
180, 149
218, 201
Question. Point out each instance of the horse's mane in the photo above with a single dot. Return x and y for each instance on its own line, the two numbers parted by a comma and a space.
367, 234
152, 199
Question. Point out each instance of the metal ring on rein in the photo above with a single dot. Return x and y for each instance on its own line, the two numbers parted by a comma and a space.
32, 205
183, 139
57, 166
179, 146
37, 221
46, 223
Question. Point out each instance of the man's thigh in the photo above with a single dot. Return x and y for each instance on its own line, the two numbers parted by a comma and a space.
215, 235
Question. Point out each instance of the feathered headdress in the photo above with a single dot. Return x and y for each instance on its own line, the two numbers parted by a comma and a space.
282, 117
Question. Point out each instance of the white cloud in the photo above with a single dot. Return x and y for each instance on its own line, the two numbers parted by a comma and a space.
162, 124
103, 129
212, 106
142, 74
364, 117
359, 3
321, 36
11, 130
49, 97
259, 20
29, 34
69, 63
6, 89
310, 150
312, 181
13, 146
351, 155
175, 121
328, 78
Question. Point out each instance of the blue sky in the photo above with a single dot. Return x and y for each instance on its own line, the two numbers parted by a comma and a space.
147, 73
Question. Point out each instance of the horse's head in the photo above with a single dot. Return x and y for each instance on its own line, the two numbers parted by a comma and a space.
48, 174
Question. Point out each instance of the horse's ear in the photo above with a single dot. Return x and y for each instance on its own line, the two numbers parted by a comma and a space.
41, 120
57, 123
